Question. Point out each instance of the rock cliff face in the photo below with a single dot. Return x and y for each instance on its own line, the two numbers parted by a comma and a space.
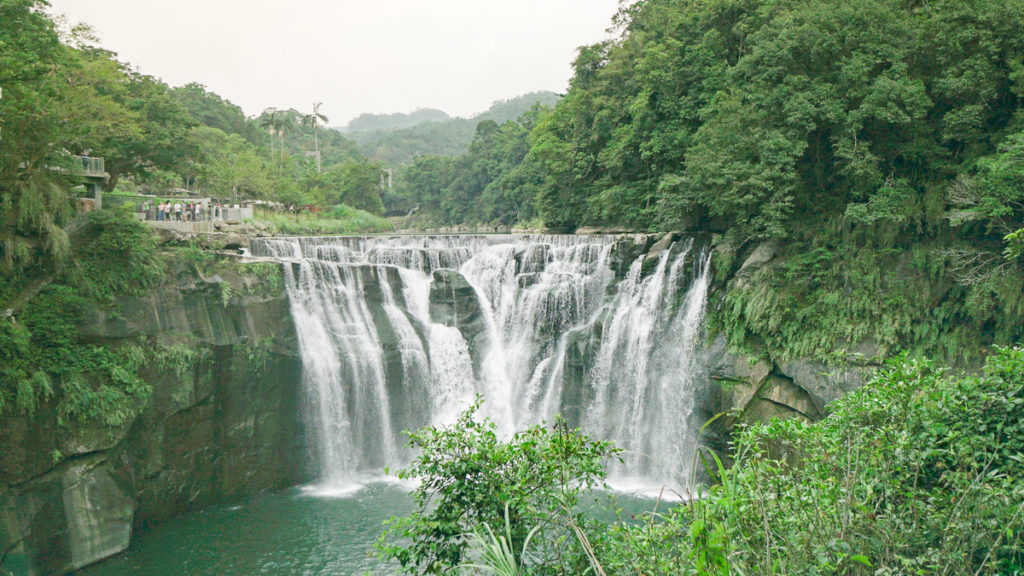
222, 423
748, 390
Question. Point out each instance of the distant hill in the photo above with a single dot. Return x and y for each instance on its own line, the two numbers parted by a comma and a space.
505, 110
391, 139
392, 122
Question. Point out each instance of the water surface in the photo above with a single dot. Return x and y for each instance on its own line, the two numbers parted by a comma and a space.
308, 531
294, 532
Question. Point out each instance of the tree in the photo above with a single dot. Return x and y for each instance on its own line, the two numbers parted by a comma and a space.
356, 183
269, 122
314, 119
34, 205
228, 164
209, 109
284, 123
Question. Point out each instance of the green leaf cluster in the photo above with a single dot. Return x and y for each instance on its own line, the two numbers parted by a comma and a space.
43, 356
469, 477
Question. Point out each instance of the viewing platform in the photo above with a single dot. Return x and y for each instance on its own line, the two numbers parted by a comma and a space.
89, 168
91, 172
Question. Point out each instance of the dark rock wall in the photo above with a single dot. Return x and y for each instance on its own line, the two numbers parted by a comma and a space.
222, 423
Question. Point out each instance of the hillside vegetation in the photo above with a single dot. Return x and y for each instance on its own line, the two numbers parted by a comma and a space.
918, 472
877, 144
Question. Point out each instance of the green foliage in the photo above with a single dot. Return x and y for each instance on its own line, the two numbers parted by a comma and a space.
356, 183
33, 205
117, 256
195, 257
256, 357
210, 110
1014, 244
341, 219
818, 299
496, 553
177, 357
270, 275
492, 183
918, 472
390, 122
469, 478
43, 356
398, 139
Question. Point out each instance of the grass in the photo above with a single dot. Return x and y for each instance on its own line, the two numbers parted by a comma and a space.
340, 219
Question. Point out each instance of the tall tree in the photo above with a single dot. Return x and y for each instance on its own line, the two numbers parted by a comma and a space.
269, 122
314, 119
283, 124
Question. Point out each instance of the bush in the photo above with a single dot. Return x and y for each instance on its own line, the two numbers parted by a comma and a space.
469, 478
916, 473
340, 219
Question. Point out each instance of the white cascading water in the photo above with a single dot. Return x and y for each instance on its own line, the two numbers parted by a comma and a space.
400, 332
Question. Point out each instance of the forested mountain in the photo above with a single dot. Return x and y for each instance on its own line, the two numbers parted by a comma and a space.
879, 144
382, 123
441, 137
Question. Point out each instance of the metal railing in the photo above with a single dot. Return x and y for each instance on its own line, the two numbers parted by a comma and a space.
88, 166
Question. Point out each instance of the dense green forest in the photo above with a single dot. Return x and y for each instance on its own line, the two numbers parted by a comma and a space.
365, 125
879, 144
62, 96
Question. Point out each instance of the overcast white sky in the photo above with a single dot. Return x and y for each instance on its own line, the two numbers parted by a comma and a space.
355, 56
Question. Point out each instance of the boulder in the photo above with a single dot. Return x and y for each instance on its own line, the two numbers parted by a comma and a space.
867, 352
533, 259
724, 365
761, 255
823, 383
657, 249
781, 393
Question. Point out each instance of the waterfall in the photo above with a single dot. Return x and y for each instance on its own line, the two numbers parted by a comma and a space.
400, 332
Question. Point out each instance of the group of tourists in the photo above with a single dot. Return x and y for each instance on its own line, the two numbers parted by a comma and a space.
178, 211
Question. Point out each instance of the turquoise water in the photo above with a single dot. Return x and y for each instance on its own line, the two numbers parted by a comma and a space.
295, 532
302, 531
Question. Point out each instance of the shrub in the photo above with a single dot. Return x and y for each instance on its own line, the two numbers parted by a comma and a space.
917, 472
470, 478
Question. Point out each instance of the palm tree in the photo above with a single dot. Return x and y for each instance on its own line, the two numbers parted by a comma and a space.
283, 124
314, 120
269, 122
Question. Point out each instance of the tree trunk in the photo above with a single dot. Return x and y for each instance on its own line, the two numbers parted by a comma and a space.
316, 144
